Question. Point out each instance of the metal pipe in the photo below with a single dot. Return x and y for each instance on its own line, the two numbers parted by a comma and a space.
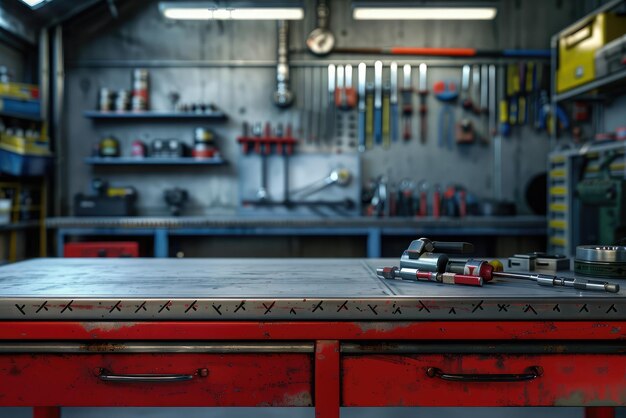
269, 64
283, 97
57, 115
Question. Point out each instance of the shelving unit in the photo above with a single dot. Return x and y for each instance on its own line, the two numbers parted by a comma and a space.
132, 161
596, 89
566, 167
155, 115
20, 115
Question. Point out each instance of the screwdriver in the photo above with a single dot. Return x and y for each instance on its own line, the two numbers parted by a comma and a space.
407, 102
428, 276
362, 72
423, 93
393, 100
386, 119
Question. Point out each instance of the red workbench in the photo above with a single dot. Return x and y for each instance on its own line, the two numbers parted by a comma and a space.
188, 349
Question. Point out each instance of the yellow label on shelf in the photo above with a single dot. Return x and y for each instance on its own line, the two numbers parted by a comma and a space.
558, 207
557, 241
557, 173
557, 224
558, 191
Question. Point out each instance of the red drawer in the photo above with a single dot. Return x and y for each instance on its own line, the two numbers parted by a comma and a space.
216, 380
419, 380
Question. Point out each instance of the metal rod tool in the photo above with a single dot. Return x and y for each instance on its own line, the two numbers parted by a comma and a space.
423, 94
393, 100
378, 102
362, 73
330, 110
407, 103
549, 280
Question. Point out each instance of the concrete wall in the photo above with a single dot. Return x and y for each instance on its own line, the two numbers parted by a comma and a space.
229, 63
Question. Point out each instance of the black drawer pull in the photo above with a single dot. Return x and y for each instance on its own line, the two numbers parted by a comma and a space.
532, 373
107, 376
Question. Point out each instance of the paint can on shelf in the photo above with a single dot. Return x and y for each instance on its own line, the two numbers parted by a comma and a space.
141, 90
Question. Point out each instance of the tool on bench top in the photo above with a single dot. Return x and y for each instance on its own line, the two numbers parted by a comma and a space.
421, 258
417, 275
447, 93
362, 73
423, 94
407, 102
393, 100
378, 102
601, 260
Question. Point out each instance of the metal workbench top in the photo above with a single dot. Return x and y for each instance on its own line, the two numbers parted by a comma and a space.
271, 289
534, 222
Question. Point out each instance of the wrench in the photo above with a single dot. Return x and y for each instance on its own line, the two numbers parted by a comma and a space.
339, 176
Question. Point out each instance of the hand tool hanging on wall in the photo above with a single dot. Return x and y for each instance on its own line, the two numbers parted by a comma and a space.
345, 95
330, 109
466, 99
321, 40
362, 73
283, 97
340, 177
407, 103
338, 98
369, 115
476, 91
423, 94
521, 95
386, 120
393, 100
446, 92
378, 102
483, 109
492, 100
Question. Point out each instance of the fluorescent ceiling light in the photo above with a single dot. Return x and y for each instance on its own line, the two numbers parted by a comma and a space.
424, 13
33, 3
238, 11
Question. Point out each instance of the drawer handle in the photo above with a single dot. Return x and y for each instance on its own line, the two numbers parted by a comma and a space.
107, 376
532, 373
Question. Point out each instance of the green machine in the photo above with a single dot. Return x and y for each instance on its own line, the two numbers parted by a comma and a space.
608, 194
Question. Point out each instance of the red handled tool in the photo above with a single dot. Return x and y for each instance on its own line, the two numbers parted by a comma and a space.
428, 276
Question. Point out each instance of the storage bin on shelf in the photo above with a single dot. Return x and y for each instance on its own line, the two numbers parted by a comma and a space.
578, 46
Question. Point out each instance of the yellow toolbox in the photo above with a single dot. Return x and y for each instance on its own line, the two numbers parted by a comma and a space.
578, 45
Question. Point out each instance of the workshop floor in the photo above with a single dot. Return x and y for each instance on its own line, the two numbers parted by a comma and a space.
309, 413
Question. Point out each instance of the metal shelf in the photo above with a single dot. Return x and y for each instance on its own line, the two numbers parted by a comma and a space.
150, 115
603, 83
16, 226
20, 115
131, 161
